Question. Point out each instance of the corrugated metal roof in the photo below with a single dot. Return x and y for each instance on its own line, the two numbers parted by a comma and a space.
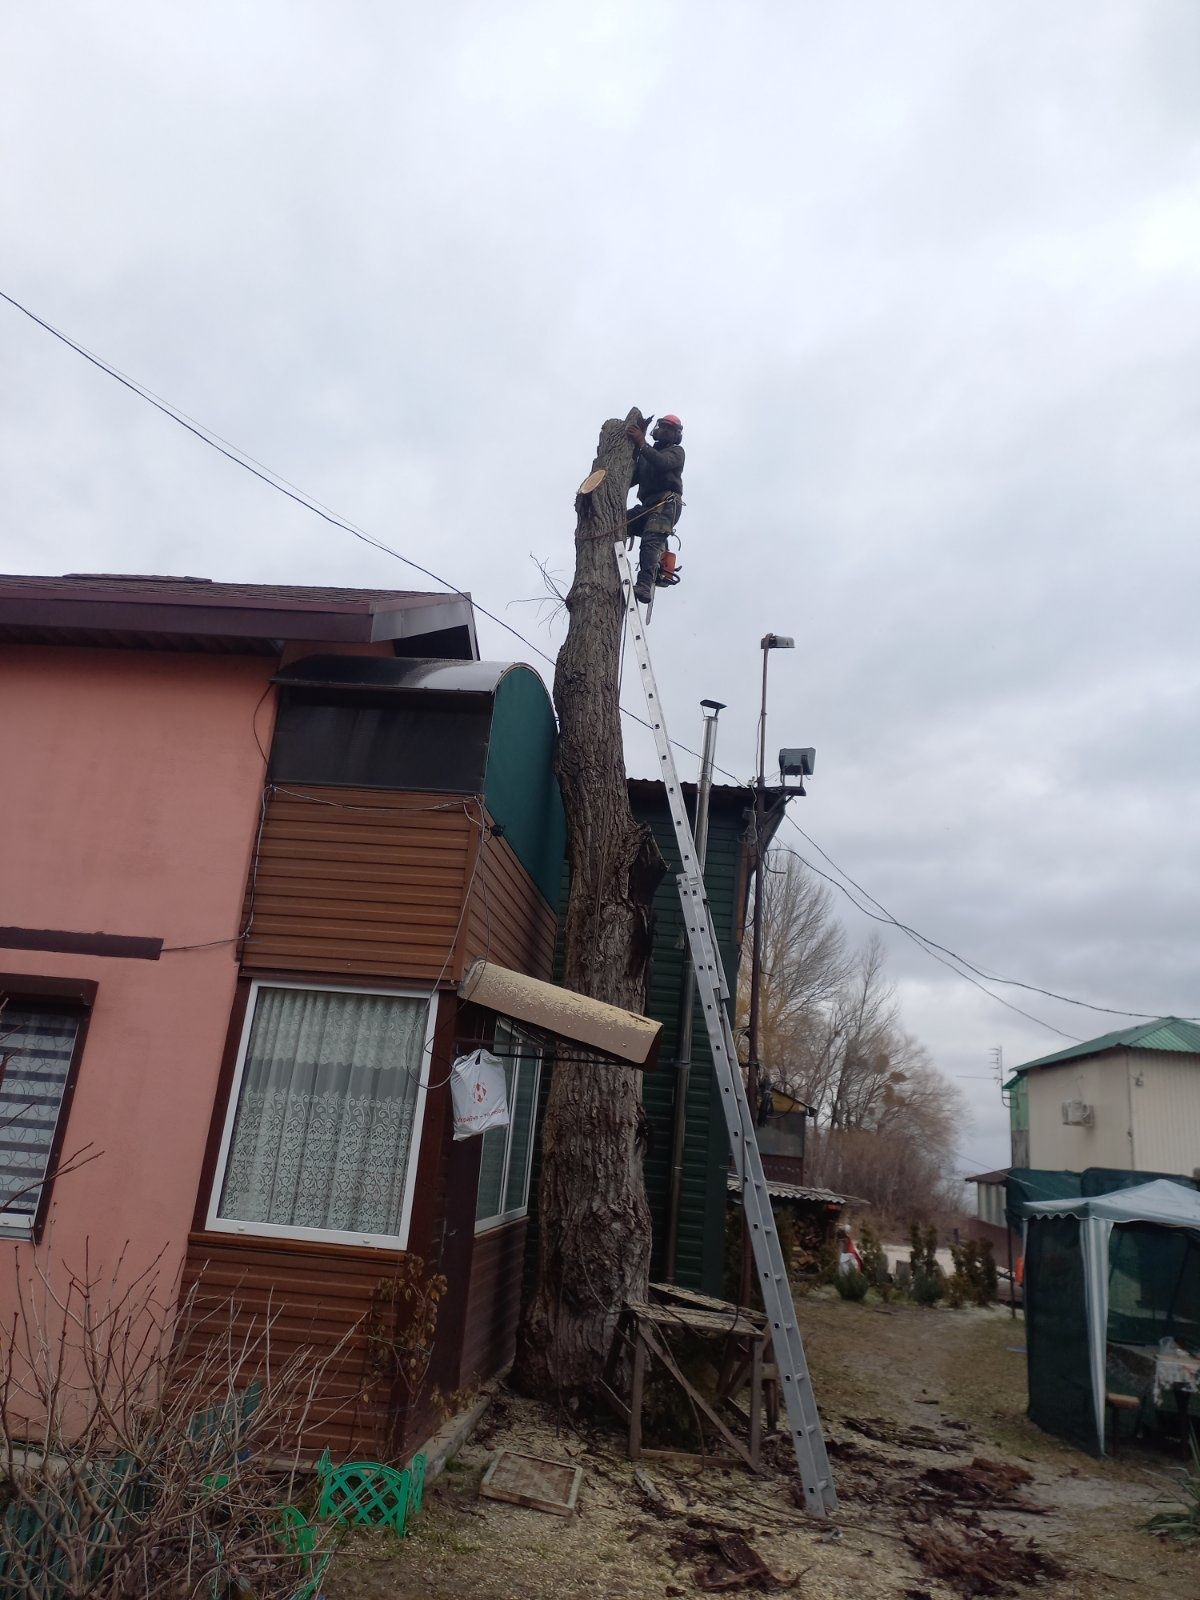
1164, 1033
797, 1191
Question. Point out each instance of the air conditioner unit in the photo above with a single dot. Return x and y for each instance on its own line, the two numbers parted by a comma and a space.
1077, 1114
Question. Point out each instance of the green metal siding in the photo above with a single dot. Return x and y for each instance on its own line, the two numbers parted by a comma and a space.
703, 1204
706, 1146
519, 786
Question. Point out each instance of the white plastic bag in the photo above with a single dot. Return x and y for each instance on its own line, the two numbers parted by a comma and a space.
478, 1093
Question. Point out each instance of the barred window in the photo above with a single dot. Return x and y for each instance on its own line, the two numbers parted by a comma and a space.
37, 1050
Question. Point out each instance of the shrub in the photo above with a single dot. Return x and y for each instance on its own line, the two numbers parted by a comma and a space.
145, 1445
874, 1262
974, 1279
991, 1279
928, 1287
852, 1285
1182, 1518
922, 1255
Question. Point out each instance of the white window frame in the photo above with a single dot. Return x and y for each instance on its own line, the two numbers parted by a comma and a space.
277, 1230
517, 1040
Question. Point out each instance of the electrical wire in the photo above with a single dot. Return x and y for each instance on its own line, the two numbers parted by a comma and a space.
932, 945
276, 481
917, 940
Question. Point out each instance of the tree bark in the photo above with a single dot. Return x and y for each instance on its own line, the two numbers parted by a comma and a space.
594, 1222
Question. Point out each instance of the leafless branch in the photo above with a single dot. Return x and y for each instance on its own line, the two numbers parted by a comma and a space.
147, 1442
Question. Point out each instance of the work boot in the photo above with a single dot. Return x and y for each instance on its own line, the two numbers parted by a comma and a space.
653, 545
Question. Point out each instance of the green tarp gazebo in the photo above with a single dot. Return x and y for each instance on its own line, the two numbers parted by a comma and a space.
1124, 1267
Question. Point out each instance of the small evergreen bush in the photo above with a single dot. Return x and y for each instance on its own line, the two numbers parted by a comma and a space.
874, 1262
928, 1287
852, 1285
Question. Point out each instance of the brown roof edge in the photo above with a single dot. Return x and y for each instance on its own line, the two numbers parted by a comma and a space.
189, 608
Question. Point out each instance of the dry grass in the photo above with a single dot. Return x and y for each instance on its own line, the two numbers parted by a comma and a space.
927, 1378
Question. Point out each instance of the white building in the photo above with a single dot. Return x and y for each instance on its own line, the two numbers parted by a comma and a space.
1129, 1100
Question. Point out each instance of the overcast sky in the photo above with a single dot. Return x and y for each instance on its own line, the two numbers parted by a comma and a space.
922, 280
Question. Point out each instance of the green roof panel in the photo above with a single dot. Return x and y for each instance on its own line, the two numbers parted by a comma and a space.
1163, 1033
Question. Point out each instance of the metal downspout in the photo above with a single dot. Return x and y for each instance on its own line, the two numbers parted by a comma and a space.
684, 1053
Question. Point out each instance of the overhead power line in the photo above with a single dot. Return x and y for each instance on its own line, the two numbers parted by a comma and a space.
274, 480
992, 977
921, 945
281, 485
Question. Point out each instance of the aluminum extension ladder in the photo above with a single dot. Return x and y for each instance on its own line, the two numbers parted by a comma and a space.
804, 1422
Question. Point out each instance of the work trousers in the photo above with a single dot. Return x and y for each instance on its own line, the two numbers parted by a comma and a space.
654, 527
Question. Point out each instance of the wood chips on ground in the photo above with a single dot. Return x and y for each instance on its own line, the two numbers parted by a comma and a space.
946, 1491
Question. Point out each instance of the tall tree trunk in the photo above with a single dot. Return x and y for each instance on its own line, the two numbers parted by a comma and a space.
594, 1222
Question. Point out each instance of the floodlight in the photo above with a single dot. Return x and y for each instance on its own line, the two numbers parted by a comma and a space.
798, 763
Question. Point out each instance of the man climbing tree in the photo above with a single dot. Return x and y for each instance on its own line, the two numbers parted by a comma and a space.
594, 1223
658, 474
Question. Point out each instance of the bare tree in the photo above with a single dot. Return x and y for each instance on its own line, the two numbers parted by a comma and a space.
594, 1222
145, 1448
804, 968
888, 1121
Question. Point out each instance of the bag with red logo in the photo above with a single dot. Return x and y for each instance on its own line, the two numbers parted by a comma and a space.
479, 1094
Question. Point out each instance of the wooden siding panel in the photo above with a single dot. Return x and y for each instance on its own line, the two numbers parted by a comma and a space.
318, 1295
362, 883
508, 920
493, 1302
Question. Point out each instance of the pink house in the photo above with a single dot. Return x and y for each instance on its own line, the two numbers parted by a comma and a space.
239, 822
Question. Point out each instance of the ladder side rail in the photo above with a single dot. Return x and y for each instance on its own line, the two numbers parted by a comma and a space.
803, 1417
684, 839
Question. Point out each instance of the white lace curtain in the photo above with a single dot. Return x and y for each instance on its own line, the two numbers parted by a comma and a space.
324, 1124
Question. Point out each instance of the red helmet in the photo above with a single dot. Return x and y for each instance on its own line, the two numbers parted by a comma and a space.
674, 421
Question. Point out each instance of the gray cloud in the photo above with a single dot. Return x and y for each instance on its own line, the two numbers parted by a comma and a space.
923, 282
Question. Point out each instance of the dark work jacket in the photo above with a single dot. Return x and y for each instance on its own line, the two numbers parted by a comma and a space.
659, 471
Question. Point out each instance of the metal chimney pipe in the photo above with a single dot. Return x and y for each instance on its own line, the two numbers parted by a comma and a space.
712, 710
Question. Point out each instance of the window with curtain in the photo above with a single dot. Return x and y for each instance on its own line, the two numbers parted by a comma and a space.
508, 1152
325, 1115
37, 1048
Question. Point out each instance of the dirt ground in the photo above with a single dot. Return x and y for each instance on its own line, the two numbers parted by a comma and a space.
907, 1395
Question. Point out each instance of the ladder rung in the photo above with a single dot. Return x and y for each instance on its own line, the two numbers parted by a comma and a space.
713, 988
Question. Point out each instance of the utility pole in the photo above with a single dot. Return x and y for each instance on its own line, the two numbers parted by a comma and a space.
712, 710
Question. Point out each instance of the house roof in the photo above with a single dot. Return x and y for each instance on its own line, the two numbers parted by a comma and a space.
999, 1176
150, 611
1171, 1034
798, 1191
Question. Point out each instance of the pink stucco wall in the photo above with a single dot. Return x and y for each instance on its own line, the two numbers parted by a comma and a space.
129, 805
